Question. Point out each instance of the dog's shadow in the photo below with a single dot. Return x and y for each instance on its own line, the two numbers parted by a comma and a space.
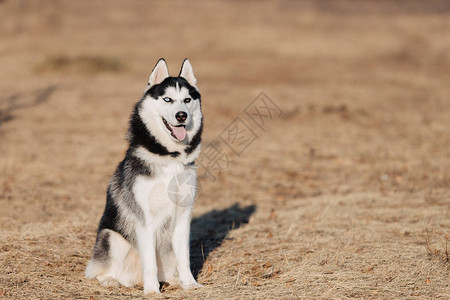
209, 230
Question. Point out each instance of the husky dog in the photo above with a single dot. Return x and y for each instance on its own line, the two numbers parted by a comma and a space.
143, 235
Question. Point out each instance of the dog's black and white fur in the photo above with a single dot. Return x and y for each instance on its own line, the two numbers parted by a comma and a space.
143, 235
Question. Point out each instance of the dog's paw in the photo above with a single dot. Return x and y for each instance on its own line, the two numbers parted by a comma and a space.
192, 285
108, 281
151, 289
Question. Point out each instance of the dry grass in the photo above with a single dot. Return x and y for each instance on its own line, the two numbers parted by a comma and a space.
81, 64
344, 196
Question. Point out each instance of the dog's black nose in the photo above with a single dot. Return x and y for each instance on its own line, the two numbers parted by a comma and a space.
181, 116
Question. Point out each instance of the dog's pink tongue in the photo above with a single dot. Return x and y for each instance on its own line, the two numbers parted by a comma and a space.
179, 132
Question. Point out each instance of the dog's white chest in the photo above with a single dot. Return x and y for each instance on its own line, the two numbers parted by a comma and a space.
172, 185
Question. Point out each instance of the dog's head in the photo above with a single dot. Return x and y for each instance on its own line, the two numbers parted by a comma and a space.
171, 107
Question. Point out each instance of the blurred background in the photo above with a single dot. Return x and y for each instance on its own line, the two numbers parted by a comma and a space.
344, 192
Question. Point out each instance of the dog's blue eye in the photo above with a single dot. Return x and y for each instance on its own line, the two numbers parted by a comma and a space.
187, 100
167, 99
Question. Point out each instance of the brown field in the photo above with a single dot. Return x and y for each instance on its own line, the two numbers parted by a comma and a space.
345, 195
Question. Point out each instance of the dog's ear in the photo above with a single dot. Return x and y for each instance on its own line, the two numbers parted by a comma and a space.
159, 73
187, 72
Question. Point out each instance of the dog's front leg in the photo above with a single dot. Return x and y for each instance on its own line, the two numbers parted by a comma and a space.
180, 244
146, 240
